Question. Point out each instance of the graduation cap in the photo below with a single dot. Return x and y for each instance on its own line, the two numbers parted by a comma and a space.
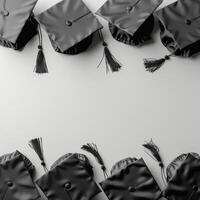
18, 26
130, 178
17, 23
16, 178
130, 21
179, 31
184, 178
69, 178
131, 181
71, 26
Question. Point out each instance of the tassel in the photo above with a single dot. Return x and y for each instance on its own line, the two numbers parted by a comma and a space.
36, 145
111, 62
41, 66
156, 156
92, 148
151, 65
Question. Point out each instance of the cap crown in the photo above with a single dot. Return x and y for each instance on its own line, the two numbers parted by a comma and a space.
68, 22
182, 21
128, 15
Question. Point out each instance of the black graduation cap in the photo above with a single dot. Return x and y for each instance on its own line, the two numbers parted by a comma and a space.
131, 181
70, 177
184, 179
130, 21
17, 23
179, 31
130, 178
71, 25
16, 178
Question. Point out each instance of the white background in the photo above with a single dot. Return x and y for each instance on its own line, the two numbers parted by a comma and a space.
77, 103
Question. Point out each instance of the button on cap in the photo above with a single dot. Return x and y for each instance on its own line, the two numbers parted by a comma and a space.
68, 23
68, 185
129, 8
188, 21
131, 189
10, 183
5, 13
195, 187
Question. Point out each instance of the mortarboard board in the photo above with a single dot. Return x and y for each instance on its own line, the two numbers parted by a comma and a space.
130, 21
70, 177
17, 23
184, 179
179, 31
70, 26
16, 178
131, 181
68, 180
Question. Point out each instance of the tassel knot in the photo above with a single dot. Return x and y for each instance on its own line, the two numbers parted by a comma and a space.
104, 44
103, 167
111, 62
43, 163
37, 146
154, 150
167, 57
161, 164
92, 148
151, 65
40, 47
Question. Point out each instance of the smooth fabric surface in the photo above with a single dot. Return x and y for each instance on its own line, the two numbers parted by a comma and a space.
17, 25
68, 23
15, 180
132, 183
176, 163
185, 184
142, 35
128, 15
180, 27
68, 181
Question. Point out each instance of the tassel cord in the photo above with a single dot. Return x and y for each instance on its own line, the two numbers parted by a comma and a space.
111, 62
163, 176
92, 148
156, 156
37, 145
41, 66
40, 35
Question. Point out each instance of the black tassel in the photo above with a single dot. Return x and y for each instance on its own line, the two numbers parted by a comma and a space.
156, 156
36, 145
92, 148
111, 61
41, 66
151, 65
